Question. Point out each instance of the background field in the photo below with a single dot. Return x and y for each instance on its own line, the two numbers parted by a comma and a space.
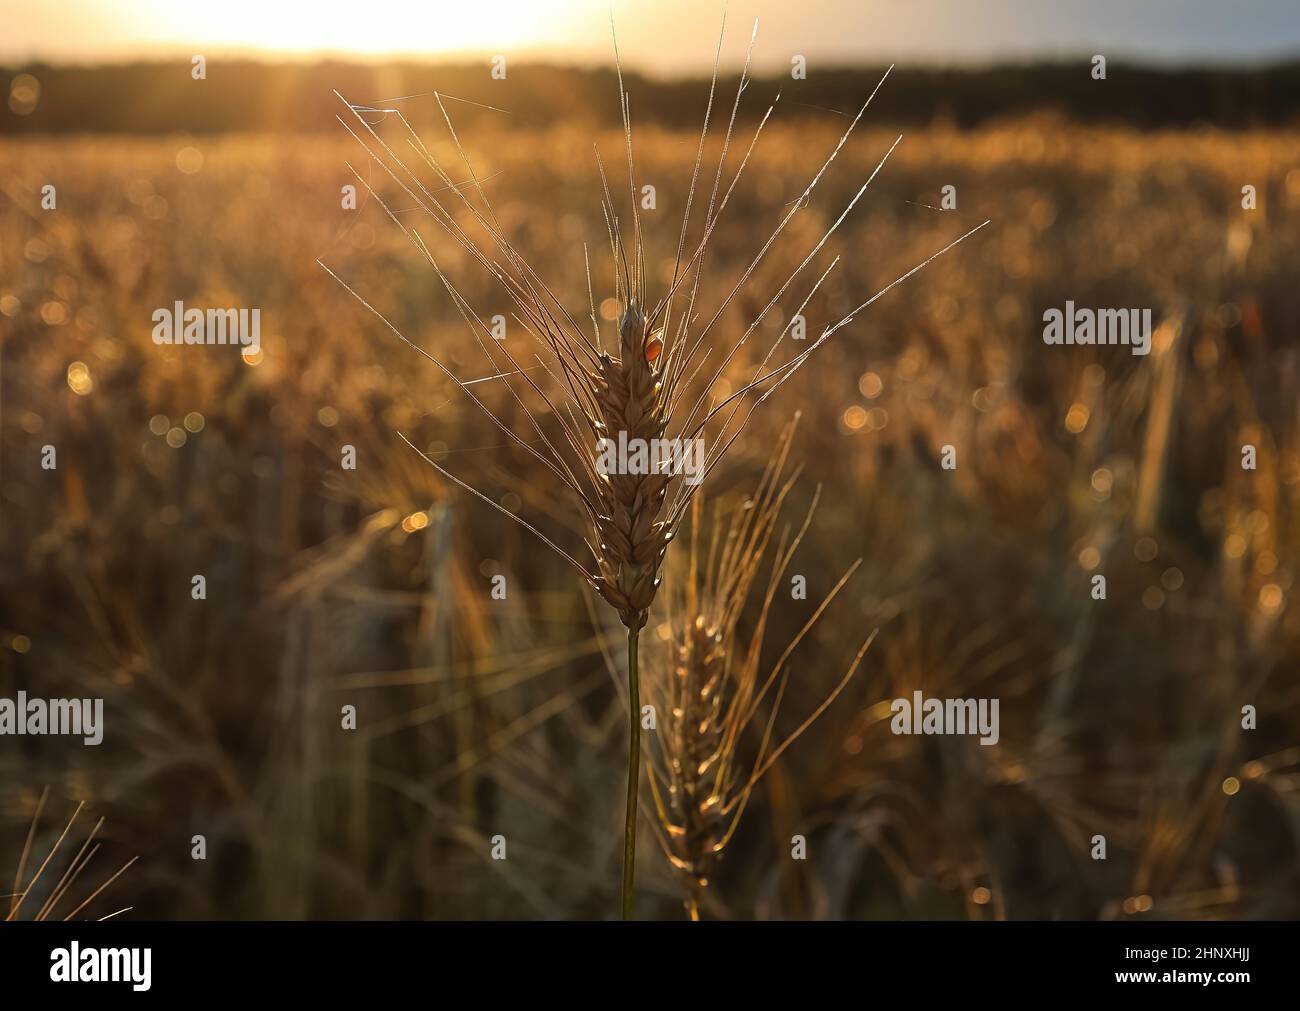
481, 717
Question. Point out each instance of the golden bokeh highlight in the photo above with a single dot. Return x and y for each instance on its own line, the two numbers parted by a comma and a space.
24, 93
415, 521
1270, 598
189, 160
79, 381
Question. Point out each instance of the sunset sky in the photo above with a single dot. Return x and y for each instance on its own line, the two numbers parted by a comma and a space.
665, 36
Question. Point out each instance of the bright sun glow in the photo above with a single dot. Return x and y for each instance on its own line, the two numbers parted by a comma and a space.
364, 26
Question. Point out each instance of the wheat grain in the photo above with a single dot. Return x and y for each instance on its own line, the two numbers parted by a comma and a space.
709, 688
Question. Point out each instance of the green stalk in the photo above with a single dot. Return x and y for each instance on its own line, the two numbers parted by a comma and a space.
633, 773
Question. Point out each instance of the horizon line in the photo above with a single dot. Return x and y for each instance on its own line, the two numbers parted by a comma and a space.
541, 57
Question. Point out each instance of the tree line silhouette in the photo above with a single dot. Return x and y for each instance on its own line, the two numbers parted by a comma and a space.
247, 95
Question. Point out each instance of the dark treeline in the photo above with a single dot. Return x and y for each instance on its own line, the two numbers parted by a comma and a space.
242, 95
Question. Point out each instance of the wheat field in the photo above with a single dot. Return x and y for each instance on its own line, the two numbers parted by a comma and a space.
480, 717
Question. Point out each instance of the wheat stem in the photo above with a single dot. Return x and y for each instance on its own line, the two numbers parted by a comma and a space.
633, 772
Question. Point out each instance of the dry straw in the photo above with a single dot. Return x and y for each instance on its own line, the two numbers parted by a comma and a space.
58, 892
648, 380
